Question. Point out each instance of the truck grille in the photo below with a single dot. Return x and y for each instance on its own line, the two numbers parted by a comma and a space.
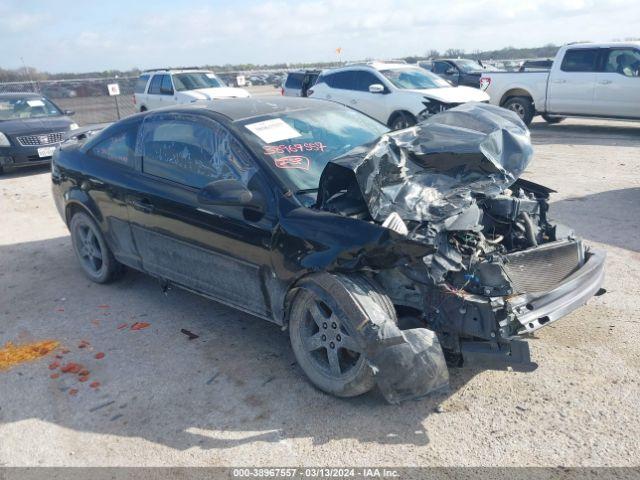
41, 139
541, 269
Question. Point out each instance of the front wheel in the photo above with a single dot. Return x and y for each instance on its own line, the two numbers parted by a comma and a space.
522, 106
324, 335
402, 120
95, 257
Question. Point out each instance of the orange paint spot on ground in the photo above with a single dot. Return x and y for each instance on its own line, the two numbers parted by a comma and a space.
73, 391
94, 384
12, 355
60, 309
122, 325
83, 373
71, 368
103, 306
140, 325
84, 379
95, 322
54, 365
65, 351
99, 356
54, 375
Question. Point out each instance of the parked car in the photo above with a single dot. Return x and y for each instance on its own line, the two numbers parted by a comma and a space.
31, 128
317, 218
398, 95
585, 80
298, 83
457, 71
162, 88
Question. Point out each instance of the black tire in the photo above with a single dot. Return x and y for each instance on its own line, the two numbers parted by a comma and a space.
325, 318
95, 257
551, 119
143, 109
522, 106
402, 120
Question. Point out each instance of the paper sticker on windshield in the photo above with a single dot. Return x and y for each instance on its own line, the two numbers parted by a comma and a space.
35, 103
274, 130
293, 148
292, 162
210, 75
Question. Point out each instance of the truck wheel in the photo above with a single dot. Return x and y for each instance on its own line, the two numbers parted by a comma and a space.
95, 257
324, 322
522, 106
550, 119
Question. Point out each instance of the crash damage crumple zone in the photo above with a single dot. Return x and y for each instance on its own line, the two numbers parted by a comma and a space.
452, 183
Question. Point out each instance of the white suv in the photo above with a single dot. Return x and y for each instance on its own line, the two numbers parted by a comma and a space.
398, 95
169, 87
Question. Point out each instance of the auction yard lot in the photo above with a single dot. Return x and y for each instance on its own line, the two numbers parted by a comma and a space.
235, 396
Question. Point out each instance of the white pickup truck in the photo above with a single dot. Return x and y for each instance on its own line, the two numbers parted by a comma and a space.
585, 80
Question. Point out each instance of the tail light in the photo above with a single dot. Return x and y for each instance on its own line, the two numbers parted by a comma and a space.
484, 83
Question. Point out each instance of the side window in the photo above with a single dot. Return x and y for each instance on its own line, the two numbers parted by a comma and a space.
364, 79
154, 87
345, 80
166, 87
440, 67
192, 151
580, 60
624, 61
141, 84
119, 148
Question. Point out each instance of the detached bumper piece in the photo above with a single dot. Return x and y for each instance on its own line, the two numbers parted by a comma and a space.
533, 310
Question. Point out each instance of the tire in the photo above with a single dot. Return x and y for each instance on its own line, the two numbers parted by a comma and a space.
522, 106
93, 254
402, 120
143, 109
551, 119
323, 321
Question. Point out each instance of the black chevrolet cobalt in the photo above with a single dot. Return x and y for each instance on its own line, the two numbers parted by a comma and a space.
387, 255
31, 127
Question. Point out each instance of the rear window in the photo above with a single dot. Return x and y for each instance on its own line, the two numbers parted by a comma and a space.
141, 84
294, 80
580, 60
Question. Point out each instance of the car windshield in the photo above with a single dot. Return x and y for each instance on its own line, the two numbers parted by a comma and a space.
469, 66
298, 144
196, 80
27, 107
414, 78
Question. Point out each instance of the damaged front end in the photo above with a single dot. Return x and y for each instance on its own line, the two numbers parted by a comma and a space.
498, 266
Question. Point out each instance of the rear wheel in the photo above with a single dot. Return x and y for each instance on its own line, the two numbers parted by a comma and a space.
95, 257
551, 119
522, 106
324, 335
402, 120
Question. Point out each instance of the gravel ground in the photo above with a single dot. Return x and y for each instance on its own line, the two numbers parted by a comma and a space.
234, 396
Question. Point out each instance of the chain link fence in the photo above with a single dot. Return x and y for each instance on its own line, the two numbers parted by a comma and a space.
87, 97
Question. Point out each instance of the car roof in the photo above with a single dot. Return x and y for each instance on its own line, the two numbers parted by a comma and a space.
9, 95
244, 108
176, 70
603, 45
376, 66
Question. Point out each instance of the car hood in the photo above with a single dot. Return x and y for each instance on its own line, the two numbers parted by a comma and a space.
453, 94
432, 171
24, 126
216, 93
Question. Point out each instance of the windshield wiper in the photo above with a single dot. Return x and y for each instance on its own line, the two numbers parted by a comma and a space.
306, 190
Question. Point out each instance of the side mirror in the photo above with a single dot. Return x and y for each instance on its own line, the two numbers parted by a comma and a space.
68, 113
376, 88
230, 193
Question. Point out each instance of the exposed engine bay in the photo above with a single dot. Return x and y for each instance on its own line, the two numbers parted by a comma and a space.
452, 182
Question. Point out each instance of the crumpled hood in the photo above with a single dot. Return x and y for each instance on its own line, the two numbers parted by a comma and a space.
460, 94
430, 172
215, 93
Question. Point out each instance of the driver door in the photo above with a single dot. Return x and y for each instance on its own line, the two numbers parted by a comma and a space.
222, 252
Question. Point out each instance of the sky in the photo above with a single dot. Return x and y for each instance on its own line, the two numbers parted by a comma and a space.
81, 36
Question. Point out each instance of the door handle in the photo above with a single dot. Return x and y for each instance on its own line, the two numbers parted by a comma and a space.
605, 82
559, 81
143, 205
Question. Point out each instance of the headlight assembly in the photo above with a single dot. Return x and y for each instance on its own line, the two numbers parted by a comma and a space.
4, 141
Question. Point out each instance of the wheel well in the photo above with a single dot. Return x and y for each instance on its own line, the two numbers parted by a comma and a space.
74, 208
399, 112
515, 92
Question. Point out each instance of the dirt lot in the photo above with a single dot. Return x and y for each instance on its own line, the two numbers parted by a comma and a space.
234, 396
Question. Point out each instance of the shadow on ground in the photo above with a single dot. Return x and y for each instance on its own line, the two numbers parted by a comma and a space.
605, 217
24, 171
614, 134
235, 384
